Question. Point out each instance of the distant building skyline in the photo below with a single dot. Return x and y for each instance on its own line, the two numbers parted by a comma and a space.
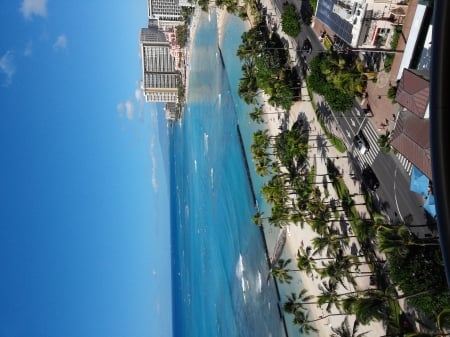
160, 78
167, 13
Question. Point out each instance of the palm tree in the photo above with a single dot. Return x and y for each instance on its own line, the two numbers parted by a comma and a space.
329, 294
296, 302
302, 318
258, 218
384, 141
262, 166
338, 269
374, 307
256, 114
304, 261
344, 329
397, 239
364, 230
330, 242
281, 272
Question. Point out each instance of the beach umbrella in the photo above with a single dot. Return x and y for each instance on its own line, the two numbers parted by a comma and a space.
430, 205
419, 182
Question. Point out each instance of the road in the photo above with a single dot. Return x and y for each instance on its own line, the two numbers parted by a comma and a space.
394, 196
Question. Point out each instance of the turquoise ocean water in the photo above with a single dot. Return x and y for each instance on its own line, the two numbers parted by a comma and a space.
219, 265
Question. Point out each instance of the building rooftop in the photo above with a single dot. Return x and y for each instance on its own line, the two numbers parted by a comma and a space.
413, 91
411, 137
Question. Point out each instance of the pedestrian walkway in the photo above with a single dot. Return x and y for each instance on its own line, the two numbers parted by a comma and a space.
407, 165
372, 137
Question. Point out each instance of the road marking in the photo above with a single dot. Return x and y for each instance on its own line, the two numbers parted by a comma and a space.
353, 122
348, 134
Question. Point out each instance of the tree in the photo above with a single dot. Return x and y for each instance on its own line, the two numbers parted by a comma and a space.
443, 319
281, 272
372, 307
258, 219
256, 114
338, 270
421, 277
296, 302
335, 78
384, 141
329, 294
344, 329
302, 318
290, 21
398, 240
304, 261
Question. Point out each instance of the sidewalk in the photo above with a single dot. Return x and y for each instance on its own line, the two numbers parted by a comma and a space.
320, 150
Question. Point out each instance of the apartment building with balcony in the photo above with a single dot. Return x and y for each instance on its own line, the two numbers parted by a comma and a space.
366, 23
160, 78
167, 13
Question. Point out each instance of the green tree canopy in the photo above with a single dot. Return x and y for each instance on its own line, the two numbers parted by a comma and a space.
290, 21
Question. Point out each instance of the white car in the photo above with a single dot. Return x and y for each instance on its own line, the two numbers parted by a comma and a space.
361, 144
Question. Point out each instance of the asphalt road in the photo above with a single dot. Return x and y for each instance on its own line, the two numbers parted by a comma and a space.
394, 196
395, 199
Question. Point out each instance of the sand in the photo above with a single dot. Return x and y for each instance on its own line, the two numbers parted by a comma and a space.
188, 49
301, 237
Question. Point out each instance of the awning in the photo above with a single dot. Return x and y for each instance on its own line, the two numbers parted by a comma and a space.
430, 205
419, 182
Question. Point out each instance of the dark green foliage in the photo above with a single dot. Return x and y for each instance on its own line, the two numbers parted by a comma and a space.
265, 66
292, 148
392, 93
230, 5
290, 21
203, 4
421, 270
332, 78
390, 57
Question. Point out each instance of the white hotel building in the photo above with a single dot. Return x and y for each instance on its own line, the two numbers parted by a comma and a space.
160, 78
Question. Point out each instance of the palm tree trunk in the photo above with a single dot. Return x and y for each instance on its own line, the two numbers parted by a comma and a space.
414, 295
319, 319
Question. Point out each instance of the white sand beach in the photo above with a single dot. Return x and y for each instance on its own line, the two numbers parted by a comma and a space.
301, 237
188, 49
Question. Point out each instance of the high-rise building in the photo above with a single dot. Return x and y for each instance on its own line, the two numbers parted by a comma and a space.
167, 12
160, 78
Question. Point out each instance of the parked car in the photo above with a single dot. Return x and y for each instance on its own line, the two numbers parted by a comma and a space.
361, 143
307, 46
369, 178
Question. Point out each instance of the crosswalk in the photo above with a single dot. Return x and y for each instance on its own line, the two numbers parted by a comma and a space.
372, 137
407, 165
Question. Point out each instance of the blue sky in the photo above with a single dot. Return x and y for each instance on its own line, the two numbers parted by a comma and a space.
84, 218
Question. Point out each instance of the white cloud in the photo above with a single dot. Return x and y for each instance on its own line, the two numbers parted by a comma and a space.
129, 109
7, 66
33, 7
28, 49
126, 108
61, 42
120, 108
153, 158
138, 94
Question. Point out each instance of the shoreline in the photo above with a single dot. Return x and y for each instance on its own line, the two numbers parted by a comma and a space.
193, 26
298, 237
269, 233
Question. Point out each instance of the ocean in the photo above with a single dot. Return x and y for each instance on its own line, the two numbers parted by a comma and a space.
219, 266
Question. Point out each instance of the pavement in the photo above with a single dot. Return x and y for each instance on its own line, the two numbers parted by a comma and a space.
319, 151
